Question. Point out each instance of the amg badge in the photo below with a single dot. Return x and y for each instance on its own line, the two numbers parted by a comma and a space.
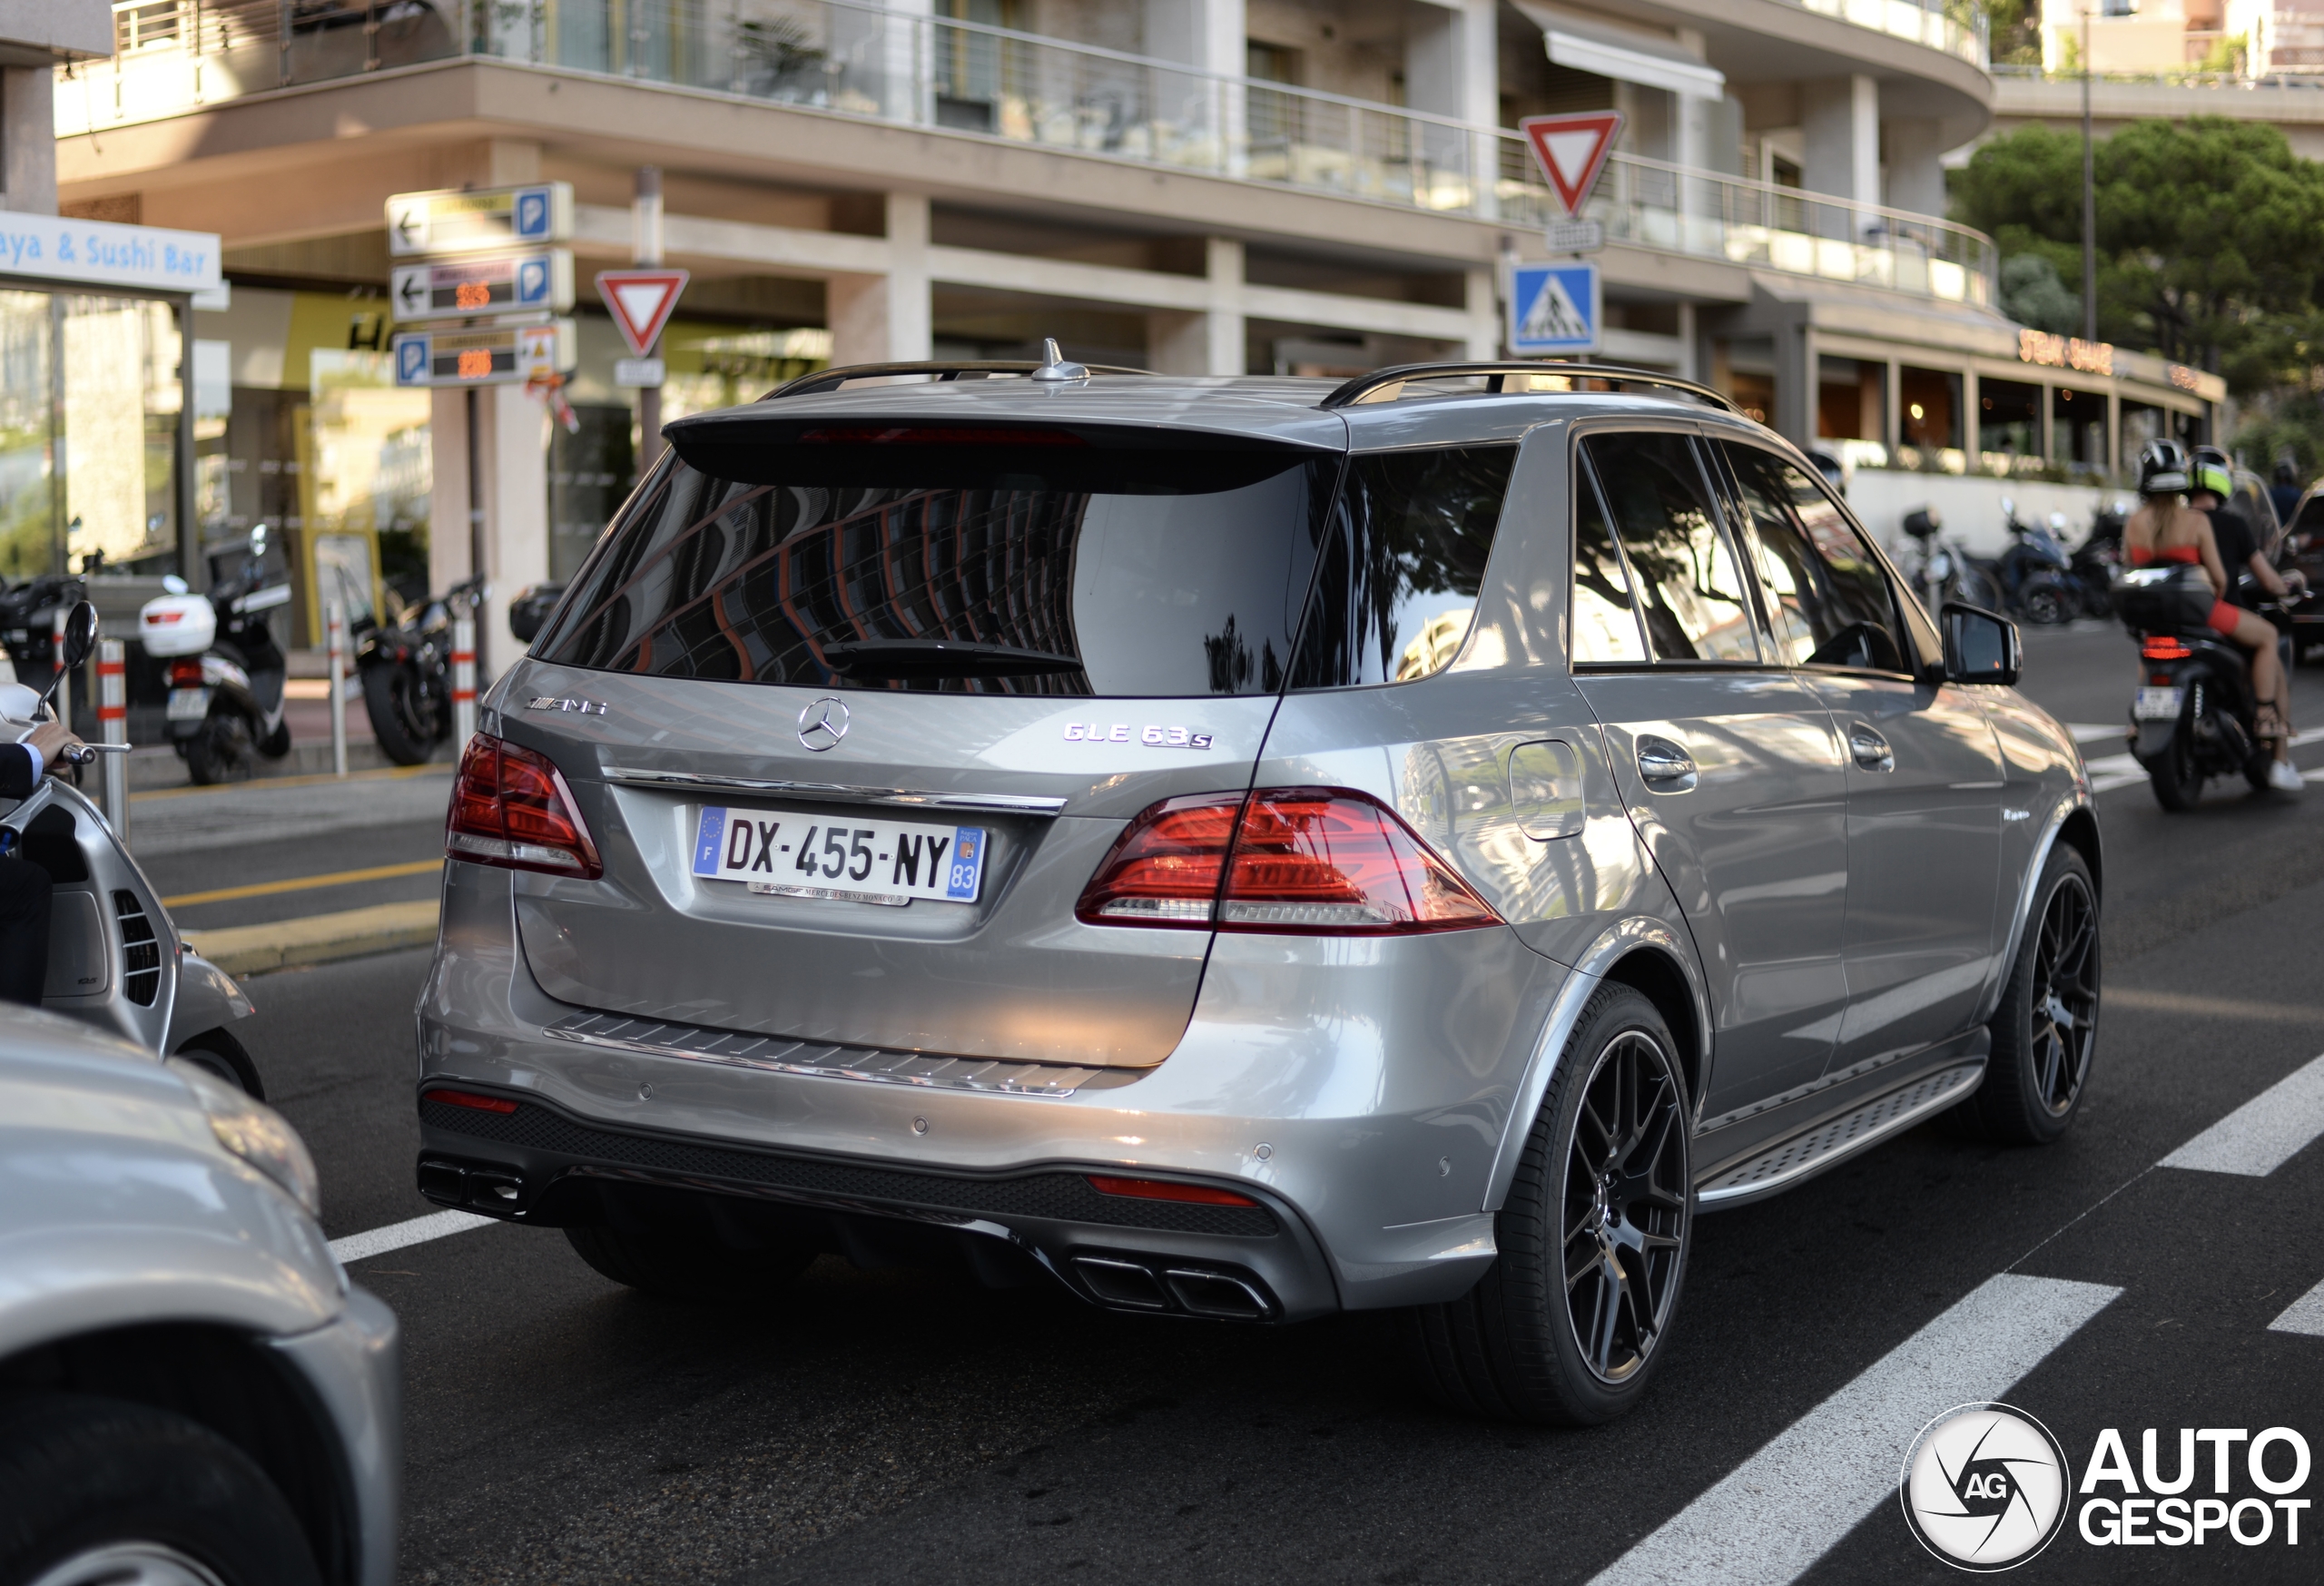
579, 707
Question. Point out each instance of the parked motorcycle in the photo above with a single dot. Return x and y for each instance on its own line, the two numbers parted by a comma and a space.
227, 676
2194, 714
2098, 559
28, 622
529, 612
2032, 571
115, 960
407, 673
1944, 571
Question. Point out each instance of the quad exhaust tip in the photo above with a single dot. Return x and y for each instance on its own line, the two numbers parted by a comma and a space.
476, 1190
1129, 1283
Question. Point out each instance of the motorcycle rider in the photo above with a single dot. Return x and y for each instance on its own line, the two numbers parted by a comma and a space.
2165, 529
2239, 547
2285, 491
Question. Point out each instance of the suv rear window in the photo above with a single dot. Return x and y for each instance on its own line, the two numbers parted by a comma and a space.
994, 561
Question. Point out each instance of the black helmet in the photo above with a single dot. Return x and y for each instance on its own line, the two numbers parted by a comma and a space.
2163, 467
2286, 471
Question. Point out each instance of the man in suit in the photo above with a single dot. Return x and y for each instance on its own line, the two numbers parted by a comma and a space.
23, 885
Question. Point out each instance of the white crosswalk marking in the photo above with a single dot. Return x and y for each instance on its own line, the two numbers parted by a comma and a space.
396, 1235
2304, 1314
1788, 1504
2265, 1132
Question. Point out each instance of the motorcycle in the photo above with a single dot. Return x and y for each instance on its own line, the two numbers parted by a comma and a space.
407, 673
2032, 572
227, 676
2195, 715
530, 611
1944, 571
28, 623
2097, 559
115, 960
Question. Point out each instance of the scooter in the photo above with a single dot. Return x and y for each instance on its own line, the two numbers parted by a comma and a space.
407, 673
116, 960
2195, 715
1945, 571
2032, 572
28, 622
227, 674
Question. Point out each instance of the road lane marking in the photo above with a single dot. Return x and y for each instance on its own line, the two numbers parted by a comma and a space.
2109, 771
1793, 1501
2304, 1314
397, 1235
2265, 1132
2148, 1002
338, 878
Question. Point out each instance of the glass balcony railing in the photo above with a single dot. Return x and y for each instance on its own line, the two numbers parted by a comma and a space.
1955, 26
847, 58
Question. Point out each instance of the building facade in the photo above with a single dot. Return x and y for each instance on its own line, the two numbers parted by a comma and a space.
1199, 186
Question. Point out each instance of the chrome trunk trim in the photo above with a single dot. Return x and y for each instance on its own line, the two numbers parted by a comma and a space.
906, 798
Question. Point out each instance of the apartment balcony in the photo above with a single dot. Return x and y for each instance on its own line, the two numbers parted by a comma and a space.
850, 59
1936, 24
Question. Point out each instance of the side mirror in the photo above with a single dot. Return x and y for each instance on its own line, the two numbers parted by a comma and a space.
80, 633
1980, 647
2009, 506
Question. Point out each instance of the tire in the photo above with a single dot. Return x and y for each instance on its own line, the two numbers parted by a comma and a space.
220, 752
218, 1054
2177, 777
2047, 607
2039, 1068
278, 741
1569, 1326
694, 1271
98, 1488
407, 726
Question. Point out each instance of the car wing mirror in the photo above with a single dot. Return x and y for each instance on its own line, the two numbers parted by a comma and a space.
1980, 646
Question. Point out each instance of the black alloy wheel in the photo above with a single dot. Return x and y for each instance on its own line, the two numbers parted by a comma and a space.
2045, 1032
2045, 607
1571, 1323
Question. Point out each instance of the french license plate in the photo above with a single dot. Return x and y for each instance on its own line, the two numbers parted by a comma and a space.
851, 859
189, 704
2158, 705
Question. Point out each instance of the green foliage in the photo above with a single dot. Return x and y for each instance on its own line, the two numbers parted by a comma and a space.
2014, 27
2031, 294
2210, 234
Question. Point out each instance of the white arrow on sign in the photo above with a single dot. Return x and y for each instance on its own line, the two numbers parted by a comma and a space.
641, 301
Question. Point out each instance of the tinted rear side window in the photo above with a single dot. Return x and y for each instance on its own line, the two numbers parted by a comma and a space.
1690, 584
1053, 569
1403, 556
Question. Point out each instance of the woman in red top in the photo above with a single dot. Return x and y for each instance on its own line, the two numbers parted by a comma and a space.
2164, 528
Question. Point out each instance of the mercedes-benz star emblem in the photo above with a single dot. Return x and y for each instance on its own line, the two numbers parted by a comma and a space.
822, 725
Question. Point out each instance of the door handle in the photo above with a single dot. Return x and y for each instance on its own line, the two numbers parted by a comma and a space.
1665, 766
1870, 750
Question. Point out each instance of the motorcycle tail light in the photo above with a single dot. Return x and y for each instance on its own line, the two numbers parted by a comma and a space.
2162, 647
185, 674
1283, 861
510, 808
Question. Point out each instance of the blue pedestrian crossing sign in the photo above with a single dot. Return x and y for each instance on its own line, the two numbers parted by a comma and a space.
1554, 308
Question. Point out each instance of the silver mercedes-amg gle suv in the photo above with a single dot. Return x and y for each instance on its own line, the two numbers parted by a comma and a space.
1245, 849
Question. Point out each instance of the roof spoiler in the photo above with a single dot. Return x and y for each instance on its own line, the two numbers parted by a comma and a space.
1385, 385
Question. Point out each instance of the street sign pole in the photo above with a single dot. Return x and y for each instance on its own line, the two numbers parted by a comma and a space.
646, 254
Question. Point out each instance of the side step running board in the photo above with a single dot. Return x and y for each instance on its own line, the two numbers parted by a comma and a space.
1830, 1143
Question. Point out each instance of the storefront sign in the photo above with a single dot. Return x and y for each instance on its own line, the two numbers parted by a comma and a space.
515, 356
488, 283
103, 253
2183, 377
2064, 353
470, 222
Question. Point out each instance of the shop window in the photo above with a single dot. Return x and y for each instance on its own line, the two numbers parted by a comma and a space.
365, 473
2140, 424
1851, 399
1930, 399
2009, 418
2078, 428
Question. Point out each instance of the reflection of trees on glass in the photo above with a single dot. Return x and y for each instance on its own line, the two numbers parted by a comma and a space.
1406, 548
1692, 595
1234, 669
1603, 625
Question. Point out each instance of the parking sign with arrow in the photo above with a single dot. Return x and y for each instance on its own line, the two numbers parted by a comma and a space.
483, 284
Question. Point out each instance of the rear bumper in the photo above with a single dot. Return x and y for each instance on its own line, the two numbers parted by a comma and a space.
1357, 1091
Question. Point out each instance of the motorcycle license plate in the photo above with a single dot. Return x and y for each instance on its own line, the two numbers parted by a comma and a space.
848, 859
2158, 705
189, 704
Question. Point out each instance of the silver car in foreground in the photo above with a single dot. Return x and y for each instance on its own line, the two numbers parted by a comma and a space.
1248, 849
191, 1393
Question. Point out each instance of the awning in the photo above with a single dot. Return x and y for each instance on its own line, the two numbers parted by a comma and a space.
1649, 60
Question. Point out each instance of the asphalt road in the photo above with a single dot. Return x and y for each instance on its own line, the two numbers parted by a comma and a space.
893, 1426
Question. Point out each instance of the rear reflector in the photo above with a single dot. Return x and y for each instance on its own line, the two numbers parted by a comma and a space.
470, 1098
2163, 647
1297, 861
1163, 1189
510, 808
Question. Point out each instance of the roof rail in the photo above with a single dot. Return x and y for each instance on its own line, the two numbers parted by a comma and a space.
1370, 387
832, 379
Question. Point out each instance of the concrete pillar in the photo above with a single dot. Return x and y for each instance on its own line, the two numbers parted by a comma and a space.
1690, 353
1452, 69
1210, 342
28, 139
1211, 36
512, 436
886, 319
1840, 117
1483, 300
1915, 179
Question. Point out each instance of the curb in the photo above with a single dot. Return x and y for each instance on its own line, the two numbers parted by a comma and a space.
316, 939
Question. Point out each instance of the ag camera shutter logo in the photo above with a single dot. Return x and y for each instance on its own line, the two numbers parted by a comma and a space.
1985, 1487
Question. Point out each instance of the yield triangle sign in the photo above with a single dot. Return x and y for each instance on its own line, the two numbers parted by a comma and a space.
1572, 149
641, 301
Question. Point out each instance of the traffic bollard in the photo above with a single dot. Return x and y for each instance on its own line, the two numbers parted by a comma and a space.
463, 684
63, 698
113, 715
335, 653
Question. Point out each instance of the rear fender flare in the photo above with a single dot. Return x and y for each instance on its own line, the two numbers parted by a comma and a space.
1638, 933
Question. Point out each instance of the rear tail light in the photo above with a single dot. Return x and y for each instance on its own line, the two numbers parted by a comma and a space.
2162, 647
1284, 860
185, 674
510, 807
